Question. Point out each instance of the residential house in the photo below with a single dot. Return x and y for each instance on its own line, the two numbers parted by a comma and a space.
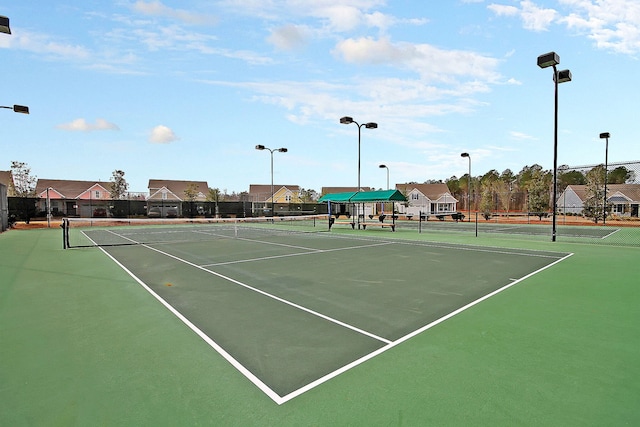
74, 198
166, 197
624, 199
261, 197
427, 199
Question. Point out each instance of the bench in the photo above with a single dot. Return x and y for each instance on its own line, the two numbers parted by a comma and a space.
334, 222
378, 224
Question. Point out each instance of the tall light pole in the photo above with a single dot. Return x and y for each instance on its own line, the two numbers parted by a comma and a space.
605, 135
552, 59
468, 184
4, 28
346, 120
280, 150
387, 168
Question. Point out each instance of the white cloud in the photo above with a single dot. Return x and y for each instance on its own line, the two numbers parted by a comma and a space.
428, 61
289, 37
156, 8
162, 135
533, 17
81, 125
611, 24
44, 45
521, 136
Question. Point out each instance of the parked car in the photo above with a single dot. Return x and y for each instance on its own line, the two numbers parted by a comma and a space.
99, 212
154, 213
172, 212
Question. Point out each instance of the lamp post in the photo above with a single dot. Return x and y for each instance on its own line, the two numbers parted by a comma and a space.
346, 120
605, 136
552, 59
280, 150
467, 155
387, 168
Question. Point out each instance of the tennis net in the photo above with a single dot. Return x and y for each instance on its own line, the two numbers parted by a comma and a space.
88, 232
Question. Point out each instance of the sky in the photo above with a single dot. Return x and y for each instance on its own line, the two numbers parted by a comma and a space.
185, 90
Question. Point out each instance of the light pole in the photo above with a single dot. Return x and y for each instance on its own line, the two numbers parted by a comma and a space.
552, 59
346, 120
605, 136
387, 168
467, 155
4, 28
280, 150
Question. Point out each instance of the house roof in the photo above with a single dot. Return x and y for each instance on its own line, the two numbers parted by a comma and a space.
176, 188
328, 190
68, 189
260, 192
431, 191
6, 178
631, 191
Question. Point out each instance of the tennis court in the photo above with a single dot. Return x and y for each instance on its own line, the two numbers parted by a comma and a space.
291, 309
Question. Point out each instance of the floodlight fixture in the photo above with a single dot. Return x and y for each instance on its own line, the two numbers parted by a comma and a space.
346, 120
605, 135
4, 25
563, 76
282, 150
550, 59
260, 147
371, 125
22, 109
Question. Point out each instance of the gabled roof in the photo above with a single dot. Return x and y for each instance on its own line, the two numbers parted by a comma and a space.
630, 191
261, 193
68, 189
175, 190
328, 190
431, 191
6, 178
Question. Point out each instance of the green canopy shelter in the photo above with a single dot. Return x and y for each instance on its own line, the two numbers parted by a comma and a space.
381, 196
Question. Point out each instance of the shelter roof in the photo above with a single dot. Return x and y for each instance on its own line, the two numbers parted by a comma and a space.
364, 197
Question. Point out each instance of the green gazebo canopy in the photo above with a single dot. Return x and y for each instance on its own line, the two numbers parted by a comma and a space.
364, 197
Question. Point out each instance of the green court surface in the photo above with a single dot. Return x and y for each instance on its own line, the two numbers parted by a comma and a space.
350, 327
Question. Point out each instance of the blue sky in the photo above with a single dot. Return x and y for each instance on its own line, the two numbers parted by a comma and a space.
186, 89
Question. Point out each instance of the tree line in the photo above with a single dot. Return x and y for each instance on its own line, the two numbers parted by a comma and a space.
531, 189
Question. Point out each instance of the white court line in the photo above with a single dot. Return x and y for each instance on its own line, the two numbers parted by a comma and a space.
259, 383
314, 251
391, 345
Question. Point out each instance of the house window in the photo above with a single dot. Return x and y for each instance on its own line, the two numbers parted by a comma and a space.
164, 195
97, 194
618, 209
288, 197
415, 196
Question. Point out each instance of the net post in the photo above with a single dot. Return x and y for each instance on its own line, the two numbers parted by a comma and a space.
65, 233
